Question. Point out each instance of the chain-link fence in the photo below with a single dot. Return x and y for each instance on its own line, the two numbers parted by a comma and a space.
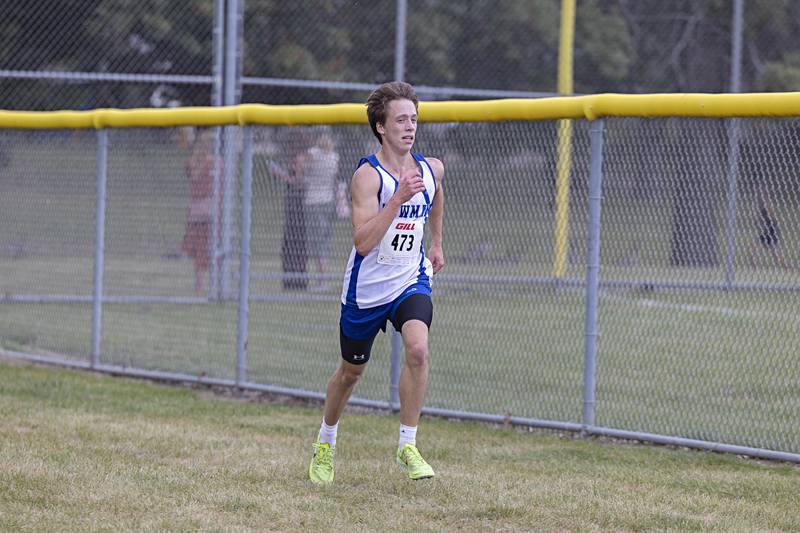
86, 55
116, 53
699, 247
696, 298
700, 266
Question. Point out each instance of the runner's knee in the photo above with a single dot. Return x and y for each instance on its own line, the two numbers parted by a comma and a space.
416, 352
348, 377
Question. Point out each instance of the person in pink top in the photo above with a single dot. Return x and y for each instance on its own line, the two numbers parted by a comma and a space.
200, 171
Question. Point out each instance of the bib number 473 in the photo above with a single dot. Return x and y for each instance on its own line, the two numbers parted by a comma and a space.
403, 242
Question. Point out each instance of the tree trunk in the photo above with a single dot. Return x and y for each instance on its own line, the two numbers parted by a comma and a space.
694, 219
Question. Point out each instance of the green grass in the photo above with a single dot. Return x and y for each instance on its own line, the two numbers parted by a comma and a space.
86, 452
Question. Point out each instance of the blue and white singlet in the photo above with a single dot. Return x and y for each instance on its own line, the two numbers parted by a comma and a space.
398, 261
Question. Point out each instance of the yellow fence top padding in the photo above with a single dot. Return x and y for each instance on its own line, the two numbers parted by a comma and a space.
565, 107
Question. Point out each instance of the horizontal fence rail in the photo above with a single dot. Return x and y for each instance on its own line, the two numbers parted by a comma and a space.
590, 107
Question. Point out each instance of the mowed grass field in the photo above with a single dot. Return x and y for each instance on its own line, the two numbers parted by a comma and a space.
81, 451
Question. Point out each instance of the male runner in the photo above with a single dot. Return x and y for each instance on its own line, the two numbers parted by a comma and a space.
395, 193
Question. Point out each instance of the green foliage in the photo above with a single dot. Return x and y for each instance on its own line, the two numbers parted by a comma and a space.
152, 36
619, 46
482, 46
783, 75
605, 42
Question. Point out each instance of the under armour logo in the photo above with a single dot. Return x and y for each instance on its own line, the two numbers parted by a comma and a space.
359, 357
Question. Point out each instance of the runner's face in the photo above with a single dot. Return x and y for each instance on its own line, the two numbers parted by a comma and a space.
400, 127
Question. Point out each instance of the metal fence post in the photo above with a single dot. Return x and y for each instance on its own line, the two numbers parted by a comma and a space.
217, 88
399, 73
218, 55
229, 96
397, 366
215, 252
592, 273
400, 40
736, 46
730, 214
99, 245
244, 257
228, 191
733, 146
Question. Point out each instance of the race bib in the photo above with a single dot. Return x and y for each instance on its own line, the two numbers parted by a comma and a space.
401, 244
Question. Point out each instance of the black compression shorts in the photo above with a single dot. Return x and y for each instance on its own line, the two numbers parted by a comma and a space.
414, 307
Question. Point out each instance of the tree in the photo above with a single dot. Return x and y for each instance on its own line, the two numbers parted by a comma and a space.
604, 47
43, 37
477, 45
699, 163
149, 37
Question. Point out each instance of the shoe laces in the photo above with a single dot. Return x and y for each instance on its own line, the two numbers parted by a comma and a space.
323, 454
412, 456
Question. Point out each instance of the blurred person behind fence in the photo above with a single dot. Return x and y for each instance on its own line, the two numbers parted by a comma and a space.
293, 248
319, 201
769, 234
201, 168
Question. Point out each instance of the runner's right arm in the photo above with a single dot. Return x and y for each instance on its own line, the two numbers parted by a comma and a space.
370, 222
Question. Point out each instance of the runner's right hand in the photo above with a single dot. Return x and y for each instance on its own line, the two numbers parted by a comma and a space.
409, 183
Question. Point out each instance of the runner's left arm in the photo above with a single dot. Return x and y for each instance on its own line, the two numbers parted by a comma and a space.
436, 217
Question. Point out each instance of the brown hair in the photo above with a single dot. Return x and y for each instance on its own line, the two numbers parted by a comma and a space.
380, 98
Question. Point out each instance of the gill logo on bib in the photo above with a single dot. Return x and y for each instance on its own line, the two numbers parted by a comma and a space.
401, 244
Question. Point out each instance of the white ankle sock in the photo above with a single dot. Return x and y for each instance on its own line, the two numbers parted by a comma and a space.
408, 435
328, 433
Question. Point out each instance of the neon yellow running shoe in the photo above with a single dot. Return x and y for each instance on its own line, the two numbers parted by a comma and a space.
409, 458
320, 471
